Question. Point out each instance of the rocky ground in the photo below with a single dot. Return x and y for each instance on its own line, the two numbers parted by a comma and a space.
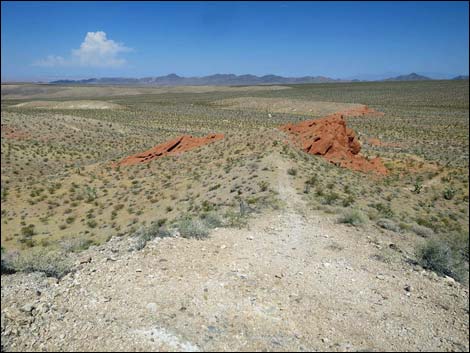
294, 280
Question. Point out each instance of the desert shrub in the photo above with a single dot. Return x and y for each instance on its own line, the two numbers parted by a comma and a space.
348, 201
384, 209
388, 224
422, 231
28, 231
292, 171
70, 220
435, 255
5, 264
353, 217
192, 228
263, 185
52, 263
207, 206
75, 244
145, 235
330, 198
212, 220
459, 243
92, 223
418, 186
449, 193
236, 219
444, 258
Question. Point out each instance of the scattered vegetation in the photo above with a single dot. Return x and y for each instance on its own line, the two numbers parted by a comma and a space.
38, 259
353, 217
59, 190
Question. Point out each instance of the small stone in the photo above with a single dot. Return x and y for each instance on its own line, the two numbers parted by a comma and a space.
450, 281
138, 270
85, 260
249, 237
43, 308
152, 307
381, 277
28, 308
408, 288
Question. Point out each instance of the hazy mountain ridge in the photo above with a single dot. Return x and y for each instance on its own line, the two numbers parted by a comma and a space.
217, 79
410, 77
231, 79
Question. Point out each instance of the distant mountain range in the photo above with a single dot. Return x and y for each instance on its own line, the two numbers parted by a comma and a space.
212, 80
227, 80
461, 77
411, 77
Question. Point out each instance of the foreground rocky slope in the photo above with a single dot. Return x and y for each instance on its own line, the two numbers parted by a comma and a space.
291, 281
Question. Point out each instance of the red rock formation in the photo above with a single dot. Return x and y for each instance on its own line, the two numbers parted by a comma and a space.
329, 137
177, 145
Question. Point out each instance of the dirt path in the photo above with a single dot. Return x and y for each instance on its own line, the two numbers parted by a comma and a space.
292, 281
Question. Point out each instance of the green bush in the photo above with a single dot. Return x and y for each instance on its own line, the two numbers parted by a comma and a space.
422, 231
212, 220
353, 217
76, 244
52, 263
446, 255
330, 198
145, 235
192, 228
236, 219
436, 256
28, 231
388, 224
449, 193
92, 223
384, 209
292, 171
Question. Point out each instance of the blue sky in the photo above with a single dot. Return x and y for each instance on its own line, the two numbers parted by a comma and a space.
50, 40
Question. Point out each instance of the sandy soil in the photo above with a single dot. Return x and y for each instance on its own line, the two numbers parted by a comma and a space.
284, 105
32, 91
81, 104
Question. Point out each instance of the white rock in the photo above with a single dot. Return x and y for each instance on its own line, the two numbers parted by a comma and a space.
152, 307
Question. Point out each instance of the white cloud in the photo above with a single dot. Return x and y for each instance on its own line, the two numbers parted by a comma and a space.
95, 51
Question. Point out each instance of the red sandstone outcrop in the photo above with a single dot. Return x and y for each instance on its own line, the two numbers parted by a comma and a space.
329, 137
177, 145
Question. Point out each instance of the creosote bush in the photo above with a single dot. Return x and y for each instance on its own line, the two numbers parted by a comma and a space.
353, 217
192, 228
38, 259
144, 235
444, 257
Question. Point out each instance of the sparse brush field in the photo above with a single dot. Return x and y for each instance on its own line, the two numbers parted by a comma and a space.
59, 188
